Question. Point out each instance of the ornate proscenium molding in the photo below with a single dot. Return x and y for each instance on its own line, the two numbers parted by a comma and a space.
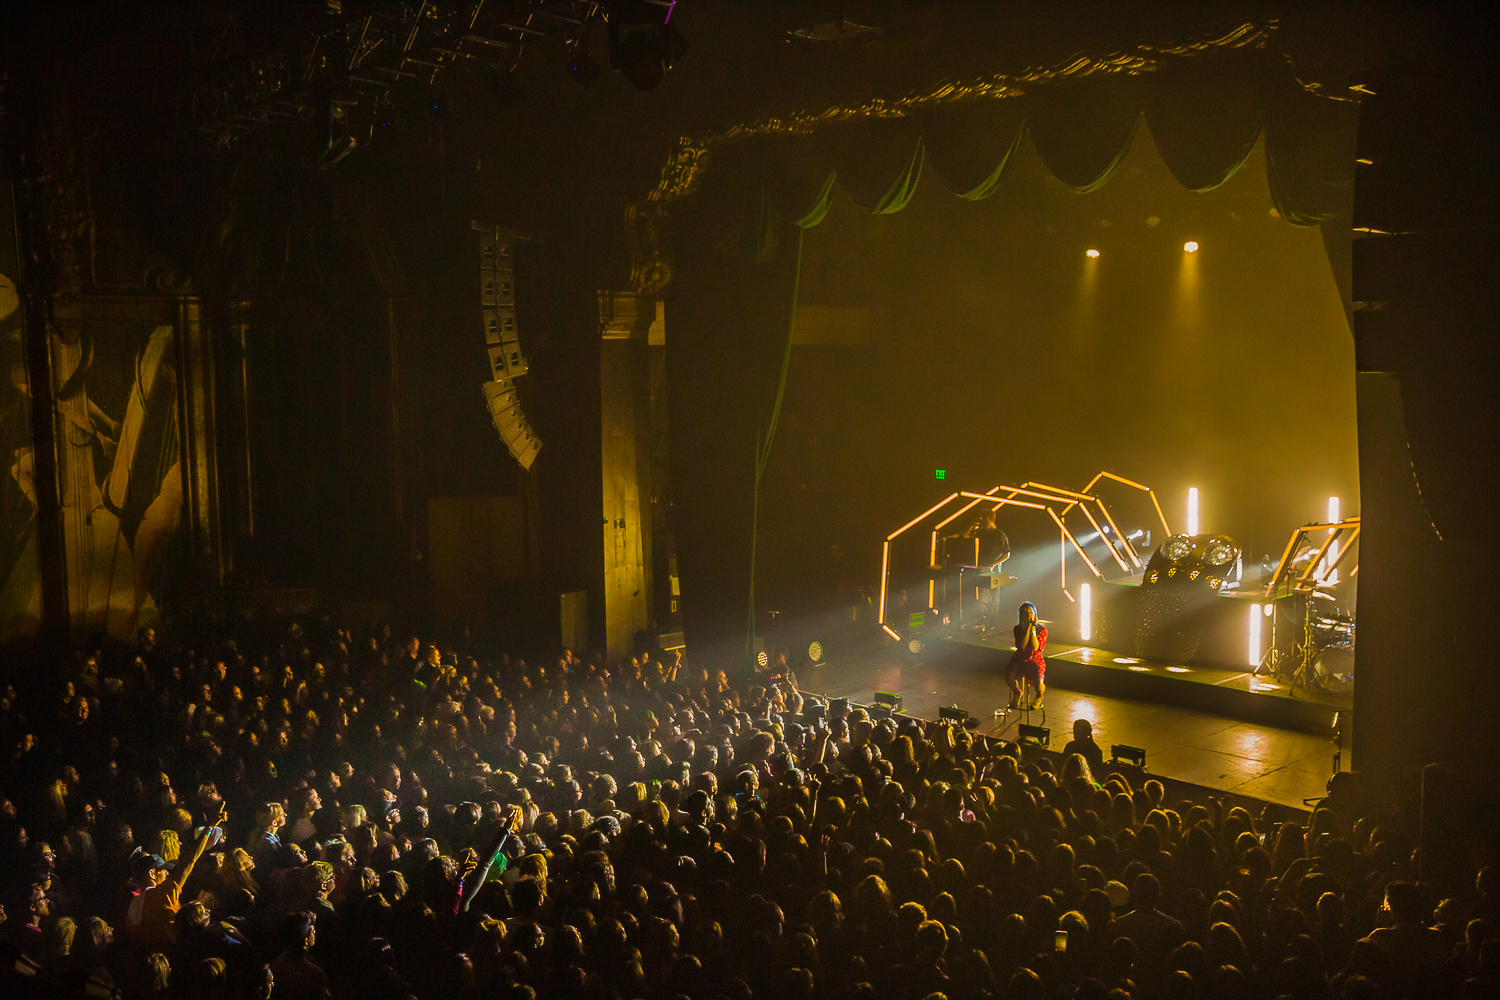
651, 270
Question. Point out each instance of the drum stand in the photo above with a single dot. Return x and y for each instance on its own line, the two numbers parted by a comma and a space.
1300, 660
1307, 650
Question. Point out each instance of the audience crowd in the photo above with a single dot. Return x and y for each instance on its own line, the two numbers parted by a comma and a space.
385, 819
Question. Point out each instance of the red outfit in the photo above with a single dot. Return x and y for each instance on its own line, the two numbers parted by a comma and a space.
1034, 667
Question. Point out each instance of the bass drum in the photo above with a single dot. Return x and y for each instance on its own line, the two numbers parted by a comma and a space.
1333, 668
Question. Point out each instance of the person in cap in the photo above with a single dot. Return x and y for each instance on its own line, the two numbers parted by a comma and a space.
151, 913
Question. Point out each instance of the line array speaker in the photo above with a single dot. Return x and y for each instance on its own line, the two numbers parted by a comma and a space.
497, 300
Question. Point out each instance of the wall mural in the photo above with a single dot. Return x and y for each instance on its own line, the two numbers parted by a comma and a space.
20, 592
119, 478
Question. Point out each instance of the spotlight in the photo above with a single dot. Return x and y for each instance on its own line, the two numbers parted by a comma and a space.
815, 651
915, 646
1037, 736
1192, 503
763, 659
1191, 246
1091, 253
642, 46
1134, 755
952, 713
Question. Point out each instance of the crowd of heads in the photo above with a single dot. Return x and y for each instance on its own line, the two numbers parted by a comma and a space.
320, 816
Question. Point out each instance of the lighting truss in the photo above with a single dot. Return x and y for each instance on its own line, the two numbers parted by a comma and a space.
1055, 501
352, 67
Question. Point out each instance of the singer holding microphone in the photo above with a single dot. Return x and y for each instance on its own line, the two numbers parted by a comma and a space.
1027, 663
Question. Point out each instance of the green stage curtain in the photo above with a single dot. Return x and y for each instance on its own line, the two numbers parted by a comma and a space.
729, 305
1206, 115
1083, 130
871, 155
1309, 153
971, 145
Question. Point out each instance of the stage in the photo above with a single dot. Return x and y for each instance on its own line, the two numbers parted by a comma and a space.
1284, 760
1235, 694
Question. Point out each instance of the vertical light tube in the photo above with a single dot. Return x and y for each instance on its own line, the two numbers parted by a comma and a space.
1333, 547
1254, 649
1085, 612
1192, 510
885, 567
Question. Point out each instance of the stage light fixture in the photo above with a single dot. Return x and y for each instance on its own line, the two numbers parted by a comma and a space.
1268, 609
1085, 612
815, 651
641, 45
1129, 754
1253, 653
1037, 736
1191, 246
952, 713
1192, 503
1091, 253
763, 659
915, 646
1178, 548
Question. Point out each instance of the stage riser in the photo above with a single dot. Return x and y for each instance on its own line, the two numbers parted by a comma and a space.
1206, 629
1283, 713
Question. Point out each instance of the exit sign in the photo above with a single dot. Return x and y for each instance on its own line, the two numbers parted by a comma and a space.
940, 473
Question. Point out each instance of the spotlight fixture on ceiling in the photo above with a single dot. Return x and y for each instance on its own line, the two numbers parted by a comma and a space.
1191, 246
643, 43
1091, 252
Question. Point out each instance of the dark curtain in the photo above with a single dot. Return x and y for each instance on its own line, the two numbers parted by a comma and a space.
728, 306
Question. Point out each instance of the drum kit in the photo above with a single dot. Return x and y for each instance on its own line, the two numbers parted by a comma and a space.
1323, 657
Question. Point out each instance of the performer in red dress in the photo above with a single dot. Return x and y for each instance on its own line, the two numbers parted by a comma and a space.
1027, 662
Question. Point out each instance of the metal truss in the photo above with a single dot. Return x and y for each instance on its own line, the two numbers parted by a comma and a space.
350, 70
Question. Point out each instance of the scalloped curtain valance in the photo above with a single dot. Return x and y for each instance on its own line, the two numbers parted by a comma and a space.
1205, 115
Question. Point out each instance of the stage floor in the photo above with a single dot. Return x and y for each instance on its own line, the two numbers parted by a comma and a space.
1219, 677
1264, 762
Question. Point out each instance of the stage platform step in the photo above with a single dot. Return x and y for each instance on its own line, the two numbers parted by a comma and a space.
1229, 693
